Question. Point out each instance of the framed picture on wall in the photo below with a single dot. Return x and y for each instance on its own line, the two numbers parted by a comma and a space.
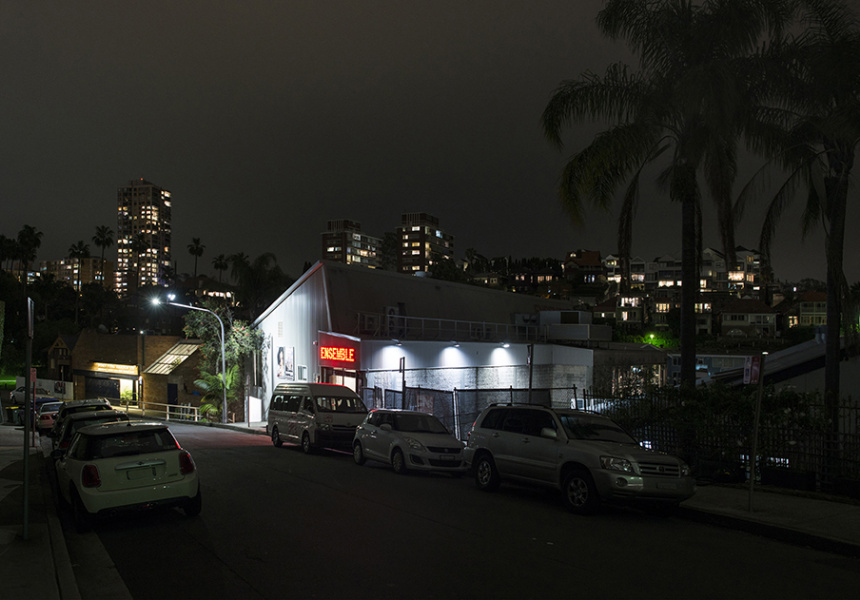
285, 360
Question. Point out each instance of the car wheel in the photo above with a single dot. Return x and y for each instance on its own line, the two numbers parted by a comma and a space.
82, 518
276, 438
398, 462
358, 454
486, 475
306, 443
579, 493
193, 506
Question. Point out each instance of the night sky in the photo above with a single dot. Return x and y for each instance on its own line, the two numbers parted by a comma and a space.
267, 119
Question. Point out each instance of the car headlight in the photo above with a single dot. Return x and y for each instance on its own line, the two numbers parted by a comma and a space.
685, 469
324, 426
615, 463
414, 444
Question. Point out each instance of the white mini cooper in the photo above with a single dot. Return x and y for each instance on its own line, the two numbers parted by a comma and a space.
116, 467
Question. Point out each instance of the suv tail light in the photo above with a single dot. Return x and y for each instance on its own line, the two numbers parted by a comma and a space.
90, 476
186, 463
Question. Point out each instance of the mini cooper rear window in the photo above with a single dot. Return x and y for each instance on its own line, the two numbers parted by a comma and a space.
131, 443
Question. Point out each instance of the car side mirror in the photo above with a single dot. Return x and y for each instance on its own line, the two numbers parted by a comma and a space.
549, 432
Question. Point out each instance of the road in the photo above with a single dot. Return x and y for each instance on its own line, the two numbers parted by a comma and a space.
279, 524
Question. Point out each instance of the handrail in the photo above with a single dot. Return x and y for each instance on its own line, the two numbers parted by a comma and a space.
181, 412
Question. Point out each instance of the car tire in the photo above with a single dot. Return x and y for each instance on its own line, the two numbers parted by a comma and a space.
194, 505
83, 520
398, 462
486, 474
358, 454
306, 443
277, 442
579, 492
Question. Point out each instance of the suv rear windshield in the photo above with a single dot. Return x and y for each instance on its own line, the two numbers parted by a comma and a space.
587, 427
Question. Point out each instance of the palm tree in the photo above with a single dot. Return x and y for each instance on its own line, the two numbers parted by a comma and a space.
812, 132
103, 239
29, 240
77, 251
686, 104
138, 245
195, 249
220, 264
258, 282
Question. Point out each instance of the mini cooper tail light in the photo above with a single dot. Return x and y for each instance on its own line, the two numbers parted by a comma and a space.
90, 476
186, 463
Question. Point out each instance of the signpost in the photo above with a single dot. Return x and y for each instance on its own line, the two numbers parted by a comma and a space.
29, 385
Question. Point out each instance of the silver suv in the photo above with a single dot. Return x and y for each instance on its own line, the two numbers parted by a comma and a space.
585, 455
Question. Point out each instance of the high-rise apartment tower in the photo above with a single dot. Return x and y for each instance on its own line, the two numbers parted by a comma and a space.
143, 235
421, 243
344, 242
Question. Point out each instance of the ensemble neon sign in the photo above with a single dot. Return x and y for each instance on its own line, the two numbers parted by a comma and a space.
337, 353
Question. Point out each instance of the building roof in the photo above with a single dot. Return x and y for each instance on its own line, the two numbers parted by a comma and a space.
353, 289
170, 360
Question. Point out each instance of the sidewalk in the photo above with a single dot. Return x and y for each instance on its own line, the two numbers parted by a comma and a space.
39, 567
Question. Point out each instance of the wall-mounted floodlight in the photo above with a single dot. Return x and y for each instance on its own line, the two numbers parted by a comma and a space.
156, 300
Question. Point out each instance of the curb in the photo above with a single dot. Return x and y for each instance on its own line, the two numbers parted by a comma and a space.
776, 532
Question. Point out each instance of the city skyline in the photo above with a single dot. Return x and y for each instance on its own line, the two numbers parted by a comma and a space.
267, 120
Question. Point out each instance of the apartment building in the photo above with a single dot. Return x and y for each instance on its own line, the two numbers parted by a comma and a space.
421, 243
143, 235
344, 242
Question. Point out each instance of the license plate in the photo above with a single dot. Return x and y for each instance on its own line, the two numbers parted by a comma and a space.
141, 473
447, 457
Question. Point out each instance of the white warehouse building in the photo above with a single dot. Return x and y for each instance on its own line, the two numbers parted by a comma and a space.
448, 348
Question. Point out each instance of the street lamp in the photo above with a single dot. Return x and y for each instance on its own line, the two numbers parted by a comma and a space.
223, 359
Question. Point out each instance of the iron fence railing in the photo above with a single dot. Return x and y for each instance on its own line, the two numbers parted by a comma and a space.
801, 443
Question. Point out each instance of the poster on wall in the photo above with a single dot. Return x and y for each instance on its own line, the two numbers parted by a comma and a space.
285, 363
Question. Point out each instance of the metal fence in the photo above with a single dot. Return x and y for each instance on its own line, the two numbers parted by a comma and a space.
801, 444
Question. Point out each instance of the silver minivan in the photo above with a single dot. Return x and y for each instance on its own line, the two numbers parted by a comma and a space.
314, 415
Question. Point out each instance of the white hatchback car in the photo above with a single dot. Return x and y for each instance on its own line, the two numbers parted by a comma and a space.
408, 440
116, 467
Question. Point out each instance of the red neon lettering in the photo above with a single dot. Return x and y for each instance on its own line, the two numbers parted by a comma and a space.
337, 353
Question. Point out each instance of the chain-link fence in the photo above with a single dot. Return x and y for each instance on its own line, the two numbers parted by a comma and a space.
801, 443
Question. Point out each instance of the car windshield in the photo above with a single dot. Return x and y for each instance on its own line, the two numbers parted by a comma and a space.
50, 407
586, 427
343, 404
131, 443
411, 423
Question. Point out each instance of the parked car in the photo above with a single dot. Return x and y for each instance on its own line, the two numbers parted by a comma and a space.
47, 415
315, 415
71, 407
118, 467
585, 455
18, 394
408, 440
73, 422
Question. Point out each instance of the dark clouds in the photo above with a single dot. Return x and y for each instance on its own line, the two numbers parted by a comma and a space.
267, 119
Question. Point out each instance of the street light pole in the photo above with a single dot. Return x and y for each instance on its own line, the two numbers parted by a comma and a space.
223, 359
